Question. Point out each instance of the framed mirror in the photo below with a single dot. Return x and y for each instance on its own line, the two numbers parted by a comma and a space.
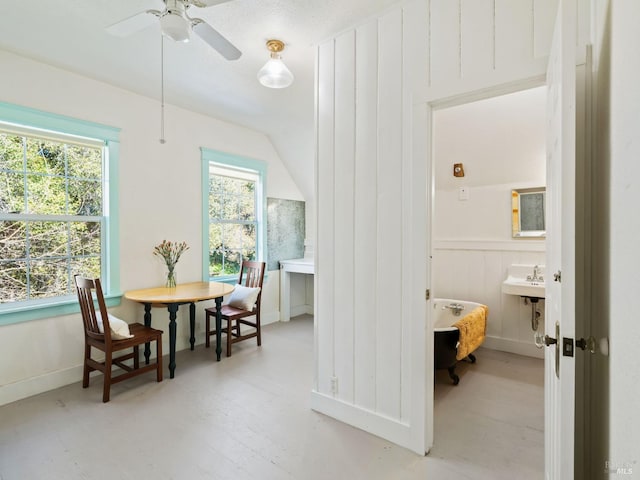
528, 212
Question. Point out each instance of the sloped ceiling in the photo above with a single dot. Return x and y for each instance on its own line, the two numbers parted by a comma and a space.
70, 34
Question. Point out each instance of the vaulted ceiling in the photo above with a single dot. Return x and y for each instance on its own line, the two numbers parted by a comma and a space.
70, 34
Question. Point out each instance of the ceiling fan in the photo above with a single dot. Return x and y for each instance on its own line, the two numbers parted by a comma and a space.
176, 24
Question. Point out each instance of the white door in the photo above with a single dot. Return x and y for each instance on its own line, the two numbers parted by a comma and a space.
560, 247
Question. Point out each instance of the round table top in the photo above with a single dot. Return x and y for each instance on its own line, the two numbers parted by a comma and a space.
181, 293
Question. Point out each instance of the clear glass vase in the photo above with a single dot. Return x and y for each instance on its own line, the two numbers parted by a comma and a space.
171, 278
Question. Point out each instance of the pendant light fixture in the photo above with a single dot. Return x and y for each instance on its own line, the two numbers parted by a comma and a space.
275, 73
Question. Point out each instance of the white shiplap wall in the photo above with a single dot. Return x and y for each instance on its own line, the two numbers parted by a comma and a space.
375, 84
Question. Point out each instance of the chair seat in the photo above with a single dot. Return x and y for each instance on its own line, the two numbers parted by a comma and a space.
141, 334
229, 312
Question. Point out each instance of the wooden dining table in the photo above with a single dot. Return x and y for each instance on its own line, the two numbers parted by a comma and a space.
172, 298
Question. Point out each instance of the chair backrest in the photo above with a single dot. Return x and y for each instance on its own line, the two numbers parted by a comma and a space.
252, 275
85, 288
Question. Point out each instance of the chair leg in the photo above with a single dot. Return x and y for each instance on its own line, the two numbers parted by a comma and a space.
159, 358
229, 336
258, 329
85, 370
207, 327
106, 389
136, 360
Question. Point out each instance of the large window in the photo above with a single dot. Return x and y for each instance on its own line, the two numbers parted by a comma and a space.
234, 207
51, 205
54, 205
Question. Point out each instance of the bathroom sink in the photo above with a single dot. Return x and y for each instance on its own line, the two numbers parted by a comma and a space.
515, 286
525, 281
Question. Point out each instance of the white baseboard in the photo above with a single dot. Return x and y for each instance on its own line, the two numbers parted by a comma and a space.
527, 349
272, 317
13, 392
371, 422
301, 310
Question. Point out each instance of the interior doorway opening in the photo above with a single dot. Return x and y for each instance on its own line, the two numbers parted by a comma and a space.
482, 150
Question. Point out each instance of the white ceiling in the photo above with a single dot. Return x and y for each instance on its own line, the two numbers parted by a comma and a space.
71, 34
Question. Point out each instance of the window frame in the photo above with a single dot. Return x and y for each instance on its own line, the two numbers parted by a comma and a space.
34, 120
232, 161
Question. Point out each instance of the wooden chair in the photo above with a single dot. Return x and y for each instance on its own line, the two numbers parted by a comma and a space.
103, 341
251, 275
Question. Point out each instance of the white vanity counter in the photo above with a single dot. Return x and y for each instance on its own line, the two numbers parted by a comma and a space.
287, 267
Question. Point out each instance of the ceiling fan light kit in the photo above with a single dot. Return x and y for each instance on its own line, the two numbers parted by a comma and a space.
175, 26
275, 73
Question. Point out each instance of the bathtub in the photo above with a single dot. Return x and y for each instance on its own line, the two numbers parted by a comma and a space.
447, 312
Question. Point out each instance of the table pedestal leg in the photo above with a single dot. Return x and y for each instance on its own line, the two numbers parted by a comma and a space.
192, 324
219, 328
173, 309
147, 323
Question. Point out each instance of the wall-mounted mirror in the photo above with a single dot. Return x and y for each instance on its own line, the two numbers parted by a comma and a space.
528, 212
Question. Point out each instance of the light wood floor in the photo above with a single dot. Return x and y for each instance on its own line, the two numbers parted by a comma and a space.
248, 417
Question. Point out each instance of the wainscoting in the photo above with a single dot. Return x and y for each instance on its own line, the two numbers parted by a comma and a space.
475, 270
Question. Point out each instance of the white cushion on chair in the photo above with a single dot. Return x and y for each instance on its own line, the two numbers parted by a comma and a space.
119, 328
244, 297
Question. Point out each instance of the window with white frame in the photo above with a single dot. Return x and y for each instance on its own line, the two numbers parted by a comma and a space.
234, 205
54, 204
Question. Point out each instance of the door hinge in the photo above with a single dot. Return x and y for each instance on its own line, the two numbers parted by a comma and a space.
427, 294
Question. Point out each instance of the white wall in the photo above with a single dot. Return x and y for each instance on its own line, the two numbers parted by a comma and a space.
157, 201
501, 142
376, 86
624, 228
616, 187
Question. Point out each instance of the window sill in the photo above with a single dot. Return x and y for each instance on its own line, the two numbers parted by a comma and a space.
233, 280
10, 314
228, 280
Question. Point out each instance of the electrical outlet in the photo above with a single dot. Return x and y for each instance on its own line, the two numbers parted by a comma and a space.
334, 385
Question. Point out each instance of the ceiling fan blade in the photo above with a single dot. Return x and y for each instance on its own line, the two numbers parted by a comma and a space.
206, 3
210, 35
133, 24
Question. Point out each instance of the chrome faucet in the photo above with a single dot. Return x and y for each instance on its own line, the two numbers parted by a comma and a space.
456, 308
535, 277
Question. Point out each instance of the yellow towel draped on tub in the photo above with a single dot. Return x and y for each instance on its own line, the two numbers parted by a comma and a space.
473, 327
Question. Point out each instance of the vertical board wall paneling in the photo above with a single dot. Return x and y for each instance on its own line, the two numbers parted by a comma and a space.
476, 277
414, 213
325, 247
344, 215
492, 295
365, 222
514, 32
542, 29
477, 42
444, 52
389, 207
